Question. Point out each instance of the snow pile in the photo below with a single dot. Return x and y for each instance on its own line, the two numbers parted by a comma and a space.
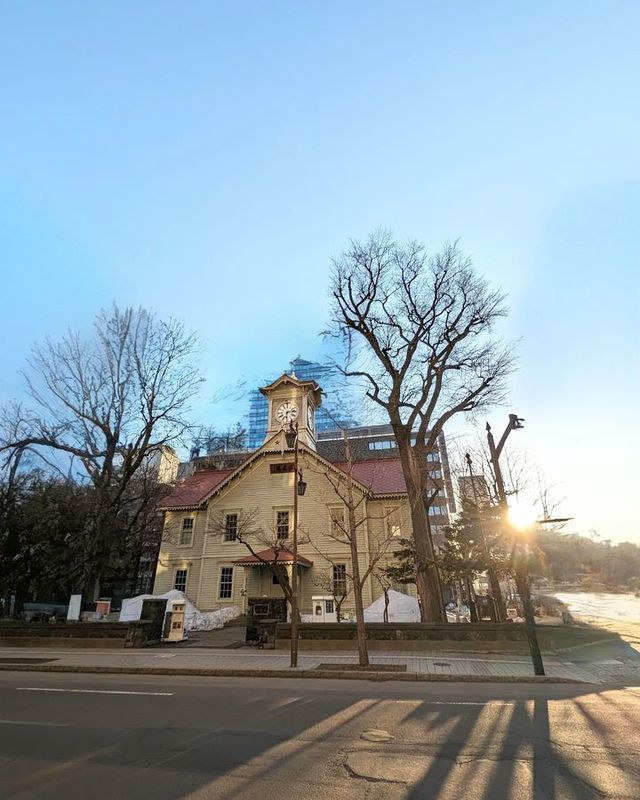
195, 620
624, 607
402, 608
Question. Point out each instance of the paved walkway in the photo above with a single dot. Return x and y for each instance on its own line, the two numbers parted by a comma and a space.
193, 658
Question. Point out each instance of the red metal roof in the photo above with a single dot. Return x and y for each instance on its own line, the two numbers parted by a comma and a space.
192, 491
271, 555
380, 475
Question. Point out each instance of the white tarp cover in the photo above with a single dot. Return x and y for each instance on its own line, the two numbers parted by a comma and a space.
195, 619
402, 608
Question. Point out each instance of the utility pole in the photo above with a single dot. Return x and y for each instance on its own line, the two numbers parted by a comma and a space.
299, 488
496, 593
522, 577
515, 423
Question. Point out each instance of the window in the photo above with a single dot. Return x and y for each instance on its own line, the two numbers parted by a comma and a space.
386, 444
393, 521
328, 607
282, 524
230, 527
337, 521
276, 469
339, 579
275, 581
435, 511
186, 532
226, 582
436, 473
433, 456
180, 580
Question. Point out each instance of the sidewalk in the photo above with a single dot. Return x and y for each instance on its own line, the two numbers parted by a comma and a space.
199, 661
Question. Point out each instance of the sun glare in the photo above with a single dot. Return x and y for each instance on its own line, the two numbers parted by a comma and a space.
522, 515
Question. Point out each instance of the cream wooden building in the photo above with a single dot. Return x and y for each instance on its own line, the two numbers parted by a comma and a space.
209, 511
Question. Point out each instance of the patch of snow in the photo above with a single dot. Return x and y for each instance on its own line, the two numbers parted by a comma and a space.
600, 604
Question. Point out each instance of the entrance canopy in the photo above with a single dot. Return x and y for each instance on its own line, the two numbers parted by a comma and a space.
273, 555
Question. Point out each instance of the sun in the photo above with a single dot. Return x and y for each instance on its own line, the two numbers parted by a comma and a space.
522, 514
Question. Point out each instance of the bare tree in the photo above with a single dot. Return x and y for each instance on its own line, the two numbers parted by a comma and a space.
249, 532
350, 527
418, 332
338, 589
112, 401
384, 580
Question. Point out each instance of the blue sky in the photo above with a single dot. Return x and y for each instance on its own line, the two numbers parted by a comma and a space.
206, 160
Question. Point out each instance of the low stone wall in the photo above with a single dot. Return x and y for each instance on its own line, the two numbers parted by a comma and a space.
485, 637
75, 634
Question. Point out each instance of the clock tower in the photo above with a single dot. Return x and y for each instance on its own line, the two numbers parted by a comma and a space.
293, 402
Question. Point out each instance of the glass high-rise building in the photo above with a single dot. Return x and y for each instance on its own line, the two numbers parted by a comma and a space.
329, 416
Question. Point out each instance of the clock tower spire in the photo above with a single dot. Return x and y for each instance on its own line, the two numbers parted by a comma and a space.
292, 401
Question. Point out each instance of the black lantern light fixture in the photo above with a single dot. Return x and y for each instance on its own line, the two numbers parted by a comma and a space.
302, 486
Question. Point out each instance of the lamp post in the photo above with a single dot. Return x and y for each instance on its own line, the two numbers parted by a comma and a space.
299, 488
493, 578
522, 575
522, 520
514, 424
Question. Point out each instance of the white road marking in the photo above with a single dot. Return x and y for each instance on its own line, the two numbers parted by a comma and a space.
41, 724
461, 702
92, 691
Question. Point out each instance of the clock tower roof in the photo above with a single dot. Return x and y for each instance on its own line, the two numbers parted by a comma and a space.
309, 386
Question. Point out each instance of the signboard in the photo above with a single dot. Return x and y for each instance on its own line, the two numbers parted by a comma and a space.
75, 604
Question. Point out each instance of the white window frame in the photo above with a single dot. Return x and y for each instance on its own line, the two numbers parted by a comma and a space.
280, 510
230, 513
229, 583
186, 578
182, 531
389, 512
335, 529
335, 580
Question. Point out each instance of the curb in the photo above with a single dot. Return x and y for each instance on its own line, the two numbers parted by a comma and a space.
289, 673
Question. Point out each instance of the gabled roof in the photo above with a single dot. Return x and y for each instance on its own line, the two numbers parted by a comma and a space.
192, 490
382, 477
295, 381
272, 556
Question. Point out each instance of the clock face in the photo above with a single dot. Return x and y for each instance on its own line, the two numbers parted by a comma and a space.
287, 412
310, 417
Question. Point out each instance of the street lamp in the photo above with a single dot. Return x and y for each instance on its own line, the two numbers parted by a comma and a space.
523, 518
299, 488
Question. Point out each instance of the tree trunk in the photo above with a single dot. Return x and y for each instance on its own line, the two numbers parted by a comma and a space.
473, 608
385, 613
361, 631
496, 593
427, 577
524, 590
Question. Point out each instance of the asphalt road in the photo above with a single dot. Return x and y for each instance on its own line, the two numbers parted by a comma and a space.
66, 737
